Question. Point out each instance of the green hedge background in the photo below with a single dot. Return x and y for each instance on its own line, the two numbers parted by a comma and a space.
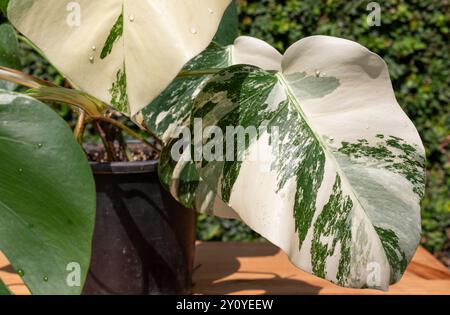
413, 39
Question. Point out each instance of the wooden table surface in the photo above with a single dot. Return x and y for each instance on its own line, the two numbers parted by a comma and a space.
252, 269
233, 268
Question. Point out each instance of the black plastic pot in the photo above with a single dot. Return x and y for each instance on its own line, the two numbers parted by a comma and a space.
144, 241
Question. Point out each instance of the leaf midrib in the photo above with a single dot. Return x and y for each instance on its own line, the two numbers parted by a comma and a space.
324, 147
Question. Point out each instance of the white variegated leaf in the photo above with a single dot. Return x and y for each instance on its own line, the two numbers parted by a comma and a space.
336, 178
173, 107
124, 52
181, 179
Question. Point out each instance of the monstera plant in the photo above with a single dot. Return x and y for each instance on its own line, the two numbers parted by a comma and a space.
340, 173
339, 168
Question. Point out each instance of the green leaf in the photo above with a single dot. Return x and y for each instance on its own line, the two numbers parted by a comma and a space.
9, 47
124, 53
3, 289
47, 196
4, 7
334, 172
9, 52
229, 26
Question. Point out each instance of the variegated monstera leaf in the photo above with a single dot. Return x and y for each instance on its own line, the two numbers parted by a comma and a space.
335, 173
174, 106
173, 109
124, 52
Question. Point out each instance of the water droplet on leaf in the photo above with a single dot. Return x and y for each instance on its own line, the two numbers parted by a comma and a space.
20, 272
20, 170
131, 18
94, 48
211, 11
91, 59
45, 279
317, 74
194, 30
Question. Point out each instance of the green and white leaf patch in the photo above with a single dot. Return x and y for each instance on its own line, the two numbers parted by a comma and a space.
124, 52
339, 172
173, 107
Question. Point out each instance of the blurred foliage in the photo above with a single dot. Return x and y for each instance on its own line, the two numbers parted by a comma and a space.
214, 229
413, 39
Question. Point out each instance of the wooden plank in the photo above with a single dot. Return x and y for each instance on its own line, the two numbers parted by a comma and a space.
232, 268
242, 268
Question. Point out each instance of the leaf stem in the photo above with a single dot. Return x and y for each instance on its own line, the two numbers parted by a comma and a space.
108, 148
80, 127
18, 77
89, 105
92, 106
197, 73
129, 131
127, 155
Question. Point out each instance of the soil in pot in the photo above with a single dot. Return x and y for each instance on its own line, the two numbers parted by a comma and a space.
144, 241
